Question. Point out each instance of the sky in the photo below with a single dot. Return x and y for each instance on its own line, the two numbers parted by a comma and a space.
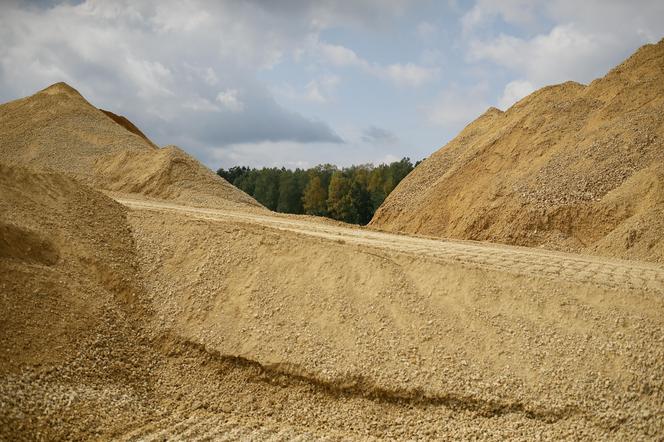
297, 83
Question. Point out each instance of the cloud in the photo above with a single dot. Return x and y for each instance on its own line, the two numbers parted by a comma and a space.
518, 12
514, 91
577, 41
457, 106
321, 89
268, 122
323, 14
229, 99
165, 65
408, 74
564, 53
200, 104
379, 136
293, 154
341, 56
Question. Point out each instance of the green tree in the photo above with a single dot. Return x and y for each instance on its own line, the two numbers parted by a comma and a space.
352, 194
314, 200
266, 190
399, 170
361, 201
339, 201
375, 186
233, 173
290, 196
247, 182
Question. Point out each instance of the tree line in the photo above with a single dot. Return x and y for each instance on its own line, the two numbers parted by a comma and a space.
351, 194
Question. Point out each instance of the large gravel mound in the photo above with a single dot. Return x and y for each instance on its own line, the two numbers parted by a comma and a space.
570, 167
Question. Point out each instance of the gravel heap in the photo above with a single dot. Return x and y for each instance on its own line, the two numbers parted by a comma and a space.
569, 167
57, 129
156, 325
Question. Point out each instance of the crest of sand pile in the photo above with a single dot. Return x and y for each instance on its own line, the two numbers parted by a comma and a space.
57, 129
168, 173
570, 167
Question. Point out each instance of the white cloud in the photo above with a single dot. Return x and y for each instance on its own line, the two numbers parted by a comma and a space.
519, 12
289, 154
210, 76
387, 159
262, 154
564, 53
170, 66
200, 104
321, 90
408, 74
313, 92
229, 99
179, 16
514, 91
151, 77
574, 40
455, 106
341, 56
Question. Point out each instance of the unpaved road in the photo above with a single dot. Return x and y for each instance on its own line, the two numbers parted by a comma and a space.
606, 272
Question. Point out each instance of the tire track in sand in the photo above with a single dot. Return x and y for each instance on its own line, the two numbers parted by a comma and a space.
524, 261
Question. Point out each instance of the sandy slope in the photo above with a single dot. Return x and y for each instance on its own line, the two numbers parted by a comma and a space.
570, 167
513, 333
239, 325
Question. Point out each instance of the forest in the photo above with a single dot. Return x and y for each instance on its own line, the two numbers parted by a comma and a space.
350, 194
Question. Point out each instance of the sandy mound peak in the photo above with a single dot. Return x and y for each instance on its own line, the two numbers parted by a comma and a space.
569, 167
168, 173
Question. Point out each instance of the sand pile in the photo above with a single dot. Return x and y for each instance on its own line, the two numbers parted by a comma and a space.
57, 129
570, 167
465, 347
168, 173
169, 322
69, 285
68, 250
124, 122
162, 324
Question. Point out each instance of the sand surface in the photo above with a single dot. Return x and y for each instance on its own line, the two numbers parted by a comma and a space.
237, 325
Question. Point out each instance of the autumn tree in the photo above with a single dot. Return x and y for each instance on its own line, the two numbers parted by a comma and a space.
339, 201
351, 194
314, 200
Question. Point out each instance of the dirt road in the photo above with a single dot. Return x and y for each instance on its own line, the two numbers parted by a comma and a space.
518, 260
